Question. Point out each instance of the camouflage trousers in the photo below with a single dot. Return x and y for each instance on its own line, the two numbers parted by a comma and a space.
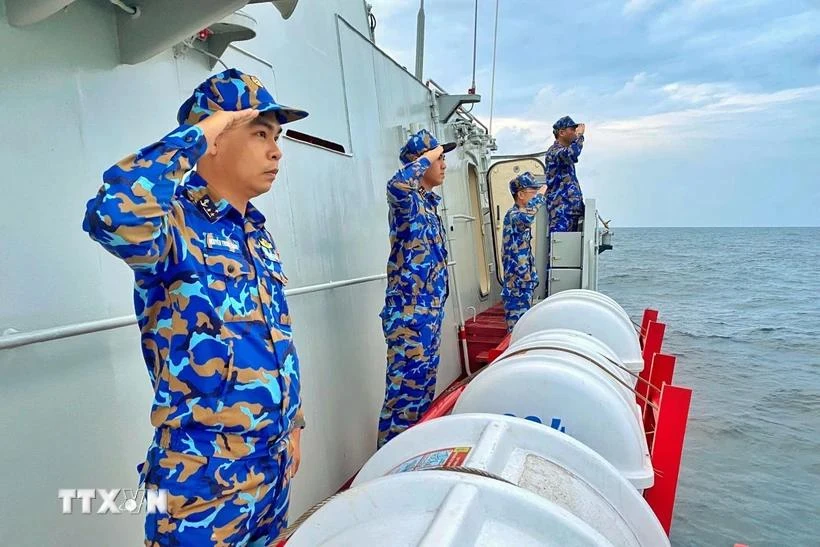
413, 336
563, 218
516, 304
216, 501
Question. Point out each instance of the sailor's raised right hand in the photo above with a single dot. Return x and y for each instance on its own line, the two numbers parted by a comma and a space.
223, 120
434, 154
580, 129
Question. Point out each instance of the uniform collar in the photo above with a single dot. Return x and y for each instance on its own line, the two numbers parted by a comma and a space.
430, 197
254, 216
215, 208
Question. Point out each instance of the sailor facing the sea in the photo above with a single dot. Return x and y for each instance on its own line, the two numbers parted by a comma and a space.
565, 199
417, 284
520, 275
216, 333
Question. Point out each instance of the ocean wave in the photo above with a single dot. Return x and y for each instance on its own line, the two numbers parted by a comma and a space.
702, 336
797, 399
748, 331
782, 333
731, 428
612, 277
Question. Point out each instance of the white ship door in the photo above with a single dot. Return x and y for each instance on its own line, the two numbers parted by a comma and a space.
498, 179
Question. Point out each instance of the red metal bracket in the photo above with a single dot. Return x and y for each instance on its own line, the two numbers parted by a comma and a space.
663, 370
648, 315
667, 451
654, 339
652, 345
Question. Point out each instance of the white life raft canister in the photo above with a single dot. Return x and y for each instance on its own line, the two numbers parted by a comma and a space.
535, 458
589, 312
567, 392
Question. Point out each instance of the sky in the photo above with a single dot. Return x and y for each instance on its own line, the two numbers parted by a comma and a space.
698, 112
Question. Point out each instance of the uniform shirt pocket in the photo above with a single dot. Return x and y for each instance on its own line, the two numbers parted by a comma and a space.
229, 285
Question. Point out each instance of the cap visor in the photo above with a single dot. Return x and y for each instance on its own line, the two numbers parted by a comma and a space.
284, 114
448, 146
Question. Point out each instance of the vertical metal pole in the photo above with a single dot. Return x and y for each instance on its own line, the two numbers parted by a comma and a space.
420, 42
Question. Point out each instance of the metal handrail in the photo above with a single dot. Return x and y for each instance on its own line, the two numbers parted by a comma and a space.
18, 339
10, 341
334, 285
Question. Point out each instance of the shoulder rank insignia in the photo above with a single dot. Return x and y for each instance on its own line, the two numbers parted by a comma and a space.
207, 206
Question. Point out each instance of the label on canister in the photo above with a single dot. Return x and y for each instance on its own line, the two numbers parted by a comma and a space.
445, 457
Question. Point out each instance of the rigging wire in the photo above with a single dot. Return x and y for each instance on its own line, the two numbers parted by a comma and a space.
475, 44
492, 87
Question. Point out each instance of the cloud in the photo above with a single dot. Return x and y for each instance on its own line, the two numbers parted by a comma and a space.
638, 6
671, 92
698, 93
788, 30
706, 107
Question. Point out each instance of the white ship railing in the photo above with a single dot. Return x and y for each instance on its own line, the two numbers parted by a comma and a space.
13, 339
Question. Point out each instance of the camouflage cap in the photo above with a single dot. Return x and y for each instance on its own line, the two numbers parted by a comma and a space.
524, 180
564, 123
233, 90
418, 144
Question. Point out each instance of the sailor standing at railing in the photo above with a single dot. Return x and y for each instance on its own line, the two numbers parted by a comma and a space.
520, 274
417, 284
216, 332
564, 197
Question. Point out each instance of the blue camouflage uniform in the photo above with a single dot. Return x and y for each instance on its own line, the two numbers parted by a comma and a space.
417, 288
216, 332
520, 275
566, 202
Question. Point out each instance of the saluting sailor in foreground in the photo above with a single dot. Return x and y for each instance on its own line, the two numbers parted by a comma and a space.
209, 296
417, 284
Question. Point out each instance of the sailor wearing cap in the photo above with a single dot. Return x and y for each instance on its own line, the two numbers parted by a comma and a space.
566, 202
417, 284
215, 327
520, 275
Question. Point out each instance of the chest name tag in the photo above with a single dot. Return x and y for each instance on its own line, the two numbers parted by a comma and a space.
215, 242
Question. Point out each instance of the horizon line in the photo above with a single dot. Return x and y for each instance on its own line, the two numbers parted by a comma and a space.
718, 227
